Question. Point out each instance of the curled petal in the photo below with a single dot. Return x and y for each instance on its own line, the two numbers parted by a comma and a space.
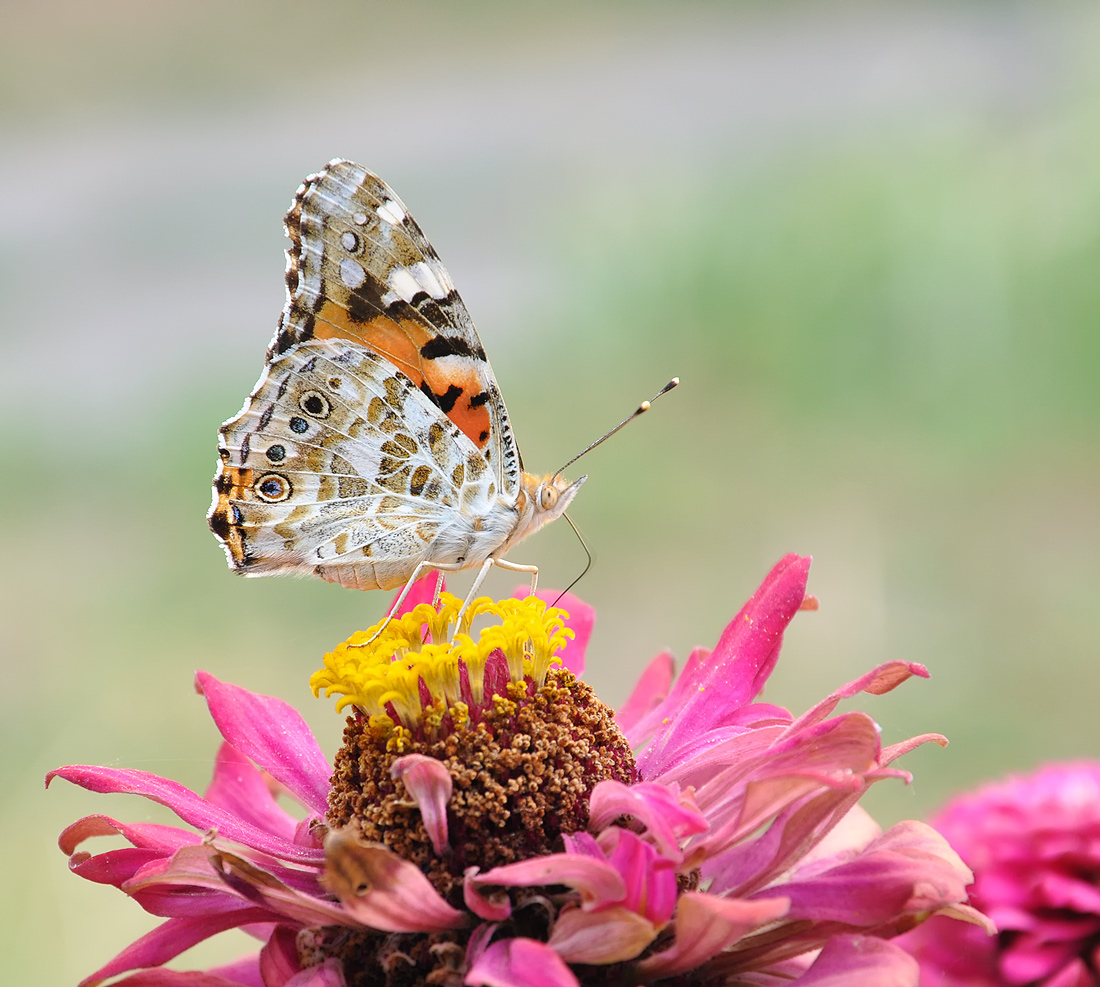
494, 907
877, 682
279, 956
383, 891
650, 878
520, 963
273, 735
667, 814
706, 925
187, 805
429, 784
596, 880
150, 836
613, 935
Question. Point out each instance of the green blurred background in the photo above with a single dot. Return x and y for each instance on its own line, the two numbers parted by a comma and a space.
866, 236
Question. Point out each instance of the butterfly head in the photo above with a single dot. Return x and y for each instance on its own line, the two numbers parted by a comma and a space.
543, 498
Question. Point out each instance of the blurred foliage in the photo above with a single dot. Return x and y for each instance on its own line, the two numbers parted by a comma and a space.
889, 341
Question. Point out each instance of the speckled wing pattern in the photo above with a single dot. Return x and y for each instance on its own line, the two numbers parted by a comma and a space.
377, 417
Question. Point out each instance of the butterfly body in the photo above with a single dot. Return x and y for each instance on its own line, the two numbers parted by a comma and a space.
376, 440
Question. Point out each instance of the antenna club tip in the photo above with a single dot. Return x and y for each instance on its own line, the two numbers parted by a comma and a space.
644, 406
674, 382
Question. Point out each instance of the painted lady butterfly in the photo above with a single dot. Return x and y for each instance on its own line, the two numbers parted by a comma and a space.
376, 444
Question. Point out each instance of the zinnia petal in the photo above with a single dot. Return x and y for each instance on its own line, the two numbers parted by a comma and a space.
706, 925
190, 807
613, 935
848, 960
648, 693
520, 963
429, 784
273, 735
383, 891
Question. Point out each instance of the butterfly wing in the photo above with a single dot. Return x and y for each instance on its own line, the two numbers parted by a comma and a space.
360, 269
339, 465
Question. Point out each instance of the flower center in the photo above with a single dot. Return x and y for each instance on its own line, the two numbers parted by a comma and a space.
523, 742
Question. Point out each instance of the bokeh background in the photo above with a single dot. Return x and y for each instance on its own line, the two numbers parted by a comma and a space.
866, 236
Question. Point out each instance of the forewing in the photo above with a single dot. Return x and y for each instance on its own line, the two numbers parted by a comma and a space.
340, 466
361, 269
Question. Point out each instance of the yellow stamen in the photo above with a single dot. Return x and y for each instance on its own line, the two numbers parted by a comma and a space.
385, 678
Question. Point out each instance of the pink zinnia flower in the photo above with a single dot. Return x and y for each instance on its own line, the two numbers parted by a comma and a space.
490, 822
1034, 845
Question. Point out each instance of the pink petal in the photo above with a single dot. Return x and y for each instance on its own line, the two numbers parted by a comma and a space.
582, 618
650, 879
216, 870
493, 907
186, 804
327, 974
382, 890
479, 942
115, 867
713, 687
667, 814
596, 880
279, 957
877, 682
706, 925
245, 971
649, 691
429, 784
170, 939
185, 978
152, 836
238, 787
273, 735
848, 960
1073, 974
909, 870
613, 935
520, 963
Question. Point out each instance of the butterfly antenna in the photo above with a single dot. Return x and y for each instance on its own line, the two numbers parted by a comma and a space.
588, 564
643, 407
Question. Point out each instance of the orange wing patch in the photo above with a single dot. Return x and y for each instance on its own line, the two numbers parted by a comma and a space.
452, 377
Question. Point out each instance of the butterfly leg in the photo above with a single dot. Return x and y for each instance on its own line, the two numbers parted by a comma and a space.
420, 568
516, 567
484, 571
478, 580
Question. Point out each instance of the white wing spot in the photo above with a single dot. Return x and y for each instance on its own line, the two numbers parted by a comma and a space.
427, 280
349, 241
441, 275
391, 212
403, 283
360, 218
352, 273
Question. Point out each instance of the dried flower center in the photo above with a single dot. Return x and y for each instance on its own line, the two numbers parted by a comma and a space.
522, 776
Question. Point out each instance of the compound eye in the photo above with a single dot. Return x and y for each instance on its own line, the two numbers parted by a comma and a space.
548, 497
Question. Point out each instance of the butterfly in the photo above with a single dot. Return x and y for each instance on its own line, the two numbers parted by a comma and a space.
376, 445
